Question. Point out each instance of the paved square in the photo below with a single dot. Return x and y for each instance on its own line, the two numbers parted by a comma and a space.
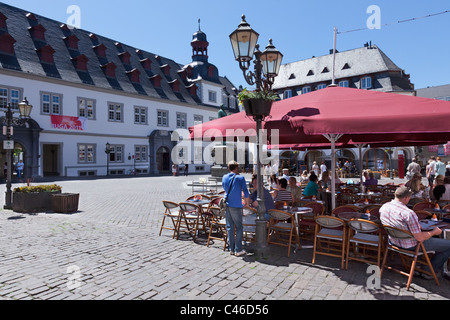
111, 250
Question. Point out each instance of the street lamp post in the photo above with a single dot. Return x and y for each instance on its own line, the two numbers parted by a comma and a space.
8, 122
107, 151
244, 43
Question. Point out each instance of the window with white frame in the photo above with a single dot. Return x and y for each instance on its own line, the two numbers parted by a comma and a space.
181, 120
51, 103
86, 153
198, 119
141, 153
287, 94
344, 84
212, 96
115, 112
10, 95
140, 115
116, 154
321, 86
86, 108
366, 83
163, 118
306, 90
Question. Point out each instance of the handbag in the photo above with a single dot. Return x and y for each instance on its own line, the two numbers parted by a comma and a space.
223, 202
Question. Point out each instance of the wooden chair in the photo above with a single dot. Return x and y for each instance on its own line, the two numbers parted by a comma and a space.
341, 209
414, 201
407, 255
375, 211
422, 214
329, 231
190, 219
307, 224
366, 239
423, 205
447, 207
171, 212
219, 226
347, 190
282, 225
300, 203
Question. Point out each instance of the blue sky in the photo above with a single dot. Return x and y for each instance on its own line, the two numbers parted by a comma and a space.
299, 29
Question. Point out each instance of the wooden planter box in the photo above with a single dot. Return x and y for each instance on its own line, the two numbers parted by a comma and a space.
65, 202
33, 202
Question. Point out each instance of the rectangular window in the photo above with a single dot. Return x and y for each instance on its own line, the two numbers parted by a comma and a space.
10, 95
163, 118
115, 111
321, 86
181, 120
287, 94
366, 83
344, 83
140, 115
86, 153
51, 103
306, 90
212, 96
86, 108
141, 153
116, 154
198, 119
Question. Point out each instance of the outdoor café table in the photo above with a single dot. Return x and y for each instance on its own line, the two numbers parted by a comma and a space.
428, 225
298, 211
347, 216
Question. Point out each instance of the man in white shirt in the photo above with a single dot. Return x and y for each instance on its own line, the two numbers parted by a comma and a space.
323, 168
431, 173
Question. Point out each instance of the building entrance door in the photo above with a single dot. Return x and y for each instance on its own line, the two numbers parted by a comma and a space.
51, 160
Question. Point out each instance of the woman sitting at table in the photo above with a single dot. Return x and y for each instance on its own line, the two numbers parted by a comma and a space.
312, 188
282, 195
304, 178
371, 182
439, 190
274, 183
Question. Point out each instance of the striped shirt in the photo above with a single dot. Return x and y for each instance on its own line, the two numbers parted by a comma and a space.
283, 195
396, 214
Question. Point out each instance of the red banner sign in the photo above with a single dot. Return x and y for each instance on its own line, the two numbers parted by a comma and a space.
447, 149
68, 123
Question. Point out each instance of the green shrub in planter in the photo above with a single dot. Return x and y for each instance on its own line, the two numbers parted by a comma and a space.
38, 198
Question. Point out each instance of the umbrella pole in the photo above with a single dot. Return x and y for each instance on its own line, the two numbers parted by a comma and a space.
333, 138
261, 223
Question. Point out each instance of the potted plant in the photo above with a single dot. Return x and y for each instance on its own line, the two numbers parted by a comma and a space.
34, 198
258, 102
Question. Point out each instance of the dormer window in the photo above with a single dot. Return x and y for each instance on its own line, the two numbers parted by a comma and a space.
100, 50
80, 62
175, 84
110, 70
325, 70
292, 77
146, 64
7, 43
125, 57
38, 32
72, 42
46, 54
156, 81
346, 66
134, 75
192, 89
166, 69
310, 73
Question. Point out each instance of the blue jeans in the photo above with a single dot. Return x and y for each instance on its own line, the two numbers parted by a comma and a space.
234, 221
441, 247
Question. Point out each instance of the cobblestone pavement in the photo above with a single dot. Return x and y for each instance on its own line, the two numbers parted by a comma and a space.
111, 250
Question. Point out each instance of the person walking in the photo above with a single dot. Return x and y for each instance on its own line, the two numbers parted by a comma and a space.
234, 185
439, 167
19, 168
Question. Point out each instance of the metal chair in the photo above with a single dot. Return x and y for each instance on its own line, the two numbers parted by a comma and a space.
423, 205
367, 241
172, 215
330, 231
282, 225
405, 255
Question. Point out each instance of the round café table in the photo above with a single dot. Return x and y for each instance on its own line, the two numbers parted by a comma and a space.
347, 216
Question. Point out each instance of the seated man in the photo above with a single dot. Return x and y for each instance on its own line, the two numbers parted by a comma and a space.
268, 200
396, 214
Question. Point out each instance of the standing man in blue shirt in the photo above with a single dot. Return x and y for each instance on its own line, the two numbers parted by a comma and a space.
234, 185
